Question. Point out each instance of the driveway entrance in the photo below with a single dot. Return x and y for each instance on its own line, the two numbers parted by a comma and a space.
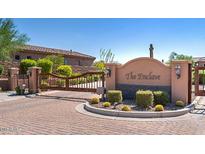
55, 113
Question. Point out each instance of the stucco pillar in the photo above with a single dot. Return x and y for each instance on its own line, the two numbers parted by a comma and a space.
13, 78
111, 80
34, 79
180, 86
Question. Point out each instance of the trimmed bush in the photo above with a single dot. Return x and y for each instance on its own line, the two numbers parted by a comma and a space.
44, 85
160, 97
180, 103
159, 107
126, 108
114, 96
19, 91
106, 104
95, 100
45, 64
25, 64
1, 69
144, 99
65, 70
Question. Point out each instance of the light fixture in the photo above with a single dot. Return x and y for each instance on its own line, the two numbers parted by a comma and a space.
108, 72
178, 71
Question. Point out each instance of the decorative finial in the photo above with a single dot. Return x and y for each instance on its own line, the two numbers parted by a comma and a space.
151, 49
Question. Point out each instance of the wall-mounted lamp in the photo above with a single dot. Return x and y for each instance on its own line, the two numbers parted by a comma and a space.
178, 71
108, 72
28, 73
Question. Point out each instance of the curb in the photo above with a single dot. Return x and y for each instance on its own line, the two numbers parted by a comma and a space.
142, 114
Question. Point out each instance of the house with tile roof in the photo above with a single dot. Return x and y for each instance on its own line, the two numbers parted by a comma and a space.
71, 57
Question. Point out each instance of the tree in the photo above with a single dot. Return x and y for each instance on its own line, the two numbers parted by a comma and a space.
57, 60
106, 56
10, 39
176, 56
100, 65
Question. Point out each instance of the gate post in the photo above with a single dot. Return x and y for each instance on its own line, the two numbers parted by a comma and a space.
34, 79
111, 78
12, 78
180, 78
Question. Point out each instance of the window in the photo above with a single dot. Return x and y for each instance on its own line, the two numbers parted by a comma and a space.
17, 57
65, 61
79, 63
28, 57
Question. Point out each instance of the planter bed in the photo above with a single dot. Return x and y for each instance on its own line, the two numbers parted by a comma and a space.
136, 112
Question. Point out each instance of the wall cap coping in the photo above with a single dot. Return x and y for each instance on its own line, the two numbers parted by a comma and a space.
14, 68
145, 58
35, 67
181, 61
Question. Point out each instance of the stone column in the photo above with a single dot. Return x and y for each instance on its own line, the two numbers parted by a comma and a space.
180, 85
34, 79
111, 80
13, 78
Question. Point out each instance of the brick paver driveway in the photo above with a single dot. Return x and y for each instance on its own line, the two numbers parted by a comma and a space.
56, 114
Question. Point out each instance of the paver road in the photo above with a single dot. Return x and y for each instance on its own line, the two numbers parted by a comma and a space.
55, 114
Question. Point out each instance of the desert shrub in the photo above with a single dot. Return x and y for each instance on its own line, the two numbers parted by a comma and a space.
95, 100
25, 64
65, 70
160, 97
126, 108
114, 96
159, 107
1, 69
180, 103
45, 64
106, 104
19, 91
144, 98
44, 85
56, 59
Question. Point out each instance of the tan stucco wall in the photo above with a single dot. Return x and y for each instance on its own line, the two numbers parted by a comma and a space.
180, 86
164, 76
141, 67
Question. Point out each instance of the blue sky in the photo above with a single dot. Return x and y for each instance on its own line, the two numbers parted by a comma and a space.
128, 38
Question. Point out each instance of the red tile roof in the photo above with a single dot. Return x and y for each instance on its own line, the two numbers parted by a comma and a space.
54, 51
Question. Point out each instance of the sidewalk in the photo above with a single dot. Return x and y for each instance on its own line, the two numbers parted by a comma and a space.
9, 96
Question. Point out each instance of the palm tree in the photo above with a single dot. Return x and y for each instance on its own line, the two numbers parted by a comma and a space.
10, 39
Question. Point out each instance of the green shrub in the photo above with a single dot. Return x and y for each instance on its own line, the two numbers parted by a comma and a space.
75, 74
126, 108
100, 65
180, 103
160, 97
159, 107
201, 78
19, 91
144, 98
1, 69
106, 104
25, 64
95, 100
44, 85
65, 70
60, 82
45, 64
114, 96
